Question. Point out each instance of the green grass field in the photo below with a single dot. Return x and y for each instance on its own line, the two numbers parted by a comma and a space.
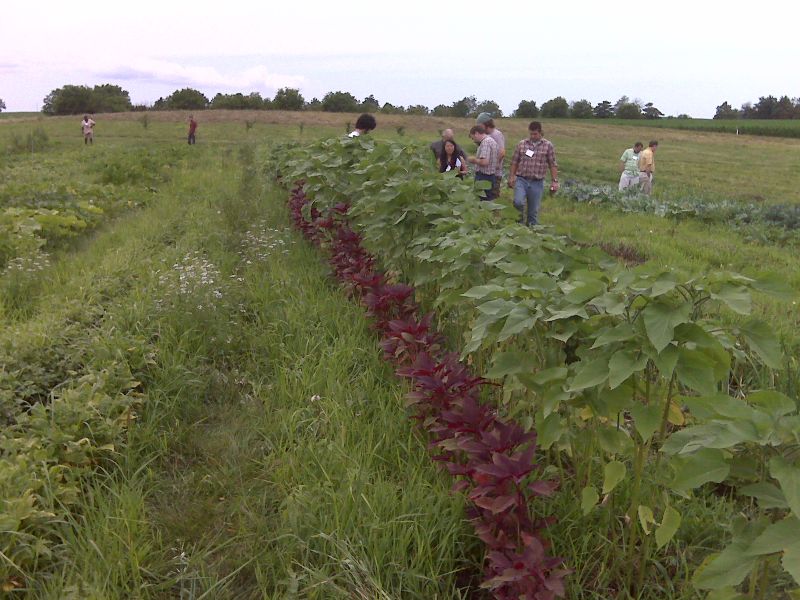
242, 437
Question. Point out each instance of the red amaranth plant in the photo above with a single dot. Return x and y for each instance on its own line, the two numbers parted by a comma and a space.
493, 460
405, 339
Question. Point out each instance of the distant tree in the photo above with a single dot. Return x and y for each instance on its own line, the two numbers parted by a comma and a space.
440, 110
726, 111
489, 106
110, 98
238, 101
785, 108
766, 107
288, 99
418, 109
651, 112
619, 103
69, 100
315, 104
339, 102
391, 109
370, 104
556, 108
467, 106
185, 99
604, 110
2, 105
581, 109
628, 110
527, 109
683, 116
747, 111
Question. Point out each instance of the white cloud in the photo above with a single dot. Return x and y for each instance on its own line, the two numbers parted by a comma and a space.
258, 77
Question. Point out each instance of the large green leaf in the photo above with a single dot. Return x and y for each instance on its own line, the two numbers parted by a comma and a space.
666, 360
646, 518
589, 374
660, 320
791, 561
693, 470
763, 342
735, 297
788, 476
729, 567
696, 370
589, 498
619, 333
768, 495
776, 538
481, 291
520, 319
583, 291
509, 363
549, 429
773, 403
668, 528
613, 473
646, 419
614, 441
623, 364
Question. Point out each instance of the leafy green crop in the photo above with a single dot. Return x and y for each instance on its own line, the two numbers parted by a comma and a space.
612, 366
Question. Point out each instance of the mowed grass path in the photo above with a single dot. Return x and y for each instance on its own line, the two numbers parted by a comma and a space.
272, 456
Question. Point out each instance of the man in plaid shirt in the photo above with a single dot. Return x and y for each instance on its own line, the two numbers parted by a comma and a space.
529, 164
486, 160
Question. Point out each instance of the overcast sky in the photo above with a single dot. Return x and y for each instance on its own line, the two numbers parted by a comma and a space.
684, 56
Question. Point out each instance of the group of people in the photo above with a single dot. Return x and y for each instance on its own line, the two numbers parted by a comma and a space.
87, 128
637, 167
531, 161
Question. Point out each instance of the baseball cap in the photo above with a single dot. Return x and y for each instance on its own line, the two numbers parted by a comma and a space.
483, 117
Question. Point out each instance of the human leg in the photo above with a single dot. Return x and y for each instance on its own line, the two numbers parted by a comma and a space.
534, 193
487, 195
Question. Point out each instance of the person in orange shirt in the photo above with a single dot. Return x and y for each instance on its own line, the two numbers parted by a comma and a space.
647, 167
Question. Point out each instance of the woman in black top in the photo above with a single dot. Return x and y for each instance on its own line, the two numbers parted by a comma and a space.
450, 161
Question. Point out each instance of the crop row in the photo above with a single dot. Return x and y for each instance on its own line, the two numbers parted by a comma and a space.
775, 223
36, 216
493, 458
640, 395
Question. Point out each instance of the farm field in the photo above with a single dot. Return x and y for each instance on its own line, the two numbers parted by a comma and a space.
210, 413
789, 128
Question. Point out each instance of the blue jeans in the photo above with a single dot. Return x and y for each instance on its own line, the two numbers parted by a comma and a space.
530, 190
488, 194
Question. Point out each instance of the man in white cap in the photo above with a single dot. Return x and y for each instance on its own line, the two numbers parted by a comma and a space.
493, 132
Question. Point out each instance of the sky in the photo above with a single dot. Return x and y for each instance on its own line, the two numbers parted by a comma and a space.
686, 57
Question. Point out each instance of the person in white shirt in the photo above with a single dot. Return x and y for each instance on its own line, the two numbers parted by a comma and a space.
87, 127
629, 167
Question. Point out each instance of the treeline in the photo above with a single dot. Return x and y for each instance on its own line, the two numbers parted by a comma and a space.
78, 99
767, 107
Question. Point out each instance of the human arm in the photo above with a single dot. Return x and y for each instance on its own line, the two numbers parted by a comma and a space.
512, 169
551, 161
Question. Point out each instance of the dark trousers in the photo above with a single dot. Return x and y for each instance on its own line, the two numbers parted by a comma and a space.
191, 138
490, 193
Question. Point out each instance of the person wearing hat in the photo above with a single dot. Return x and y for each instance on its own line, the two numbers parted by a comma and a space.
493, 132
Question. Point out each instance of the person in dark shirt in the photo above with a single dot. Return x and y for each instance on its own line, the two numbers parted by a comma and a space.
437, 146
449, 160
192, 129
